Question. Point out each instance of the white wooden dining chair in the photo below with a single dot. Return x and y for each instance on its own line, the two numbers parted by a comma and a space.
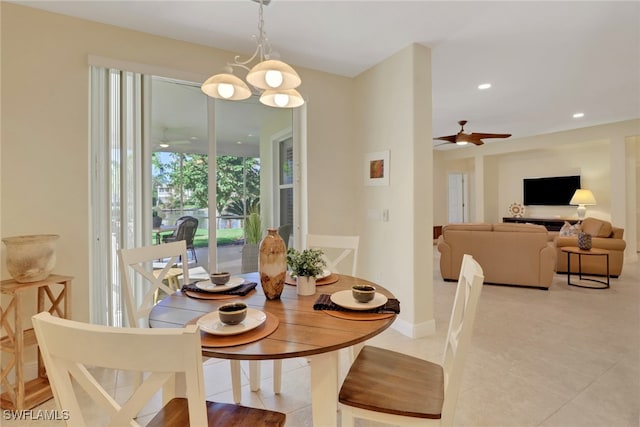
171, 358
391, 387
142, 282
337, 250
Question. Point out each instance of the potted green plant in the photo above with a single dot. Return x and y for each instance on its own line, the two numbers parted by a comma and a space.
253, 235
305, 266
157, 216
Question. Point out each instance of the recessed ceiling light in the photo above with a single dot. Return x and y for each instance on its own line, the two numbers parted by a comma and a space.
578, 115
238, 142
484, 86
164, 145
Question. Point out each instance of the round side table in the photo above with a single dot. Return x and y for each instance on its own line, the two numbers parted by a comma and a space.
569, 250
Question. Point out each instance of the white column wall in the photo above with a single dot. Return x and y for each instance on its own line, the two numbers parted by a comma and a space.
394, 113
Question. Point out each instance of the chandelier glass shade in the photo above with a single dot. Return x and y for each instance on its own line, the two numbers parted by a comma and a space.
274, 80
226, 86
289, 98
273, 74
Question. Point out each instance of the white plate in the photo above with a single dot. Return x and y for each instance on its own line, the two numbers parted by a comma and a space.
345, 299
325, 273
233, 283
211, 323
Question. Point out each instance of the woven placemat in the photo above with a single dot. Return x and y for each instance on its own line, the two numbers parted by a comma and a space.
191, 290
324, 302
262, 331
352, 315
332, 278
209, 295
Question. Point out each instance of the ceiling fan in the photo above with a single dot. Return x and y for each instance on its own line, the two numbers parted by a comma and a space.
166, 142
462, 138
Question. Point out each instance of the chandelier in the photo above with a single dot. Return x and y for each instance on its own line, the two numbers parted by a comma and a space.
274, 80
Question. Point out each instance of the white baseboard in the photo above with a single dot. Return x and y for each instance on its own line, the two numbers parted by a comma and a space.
418, 330
631, 258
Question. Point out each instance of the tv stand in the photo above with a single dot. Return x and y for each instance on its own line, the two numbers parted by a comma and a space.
551, 224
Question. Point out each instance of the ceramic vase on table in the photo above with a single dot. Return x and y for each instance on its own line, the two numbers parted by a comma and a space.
306, 285
272, 264
31, 258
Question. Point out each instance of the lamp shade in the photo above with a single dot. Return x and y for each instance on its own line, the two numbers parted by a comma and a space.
282, 98
273, 74
226, 86
583, 197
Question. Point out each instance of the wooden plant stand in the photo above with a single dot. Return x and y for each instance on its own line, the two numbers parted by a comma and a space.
54, 295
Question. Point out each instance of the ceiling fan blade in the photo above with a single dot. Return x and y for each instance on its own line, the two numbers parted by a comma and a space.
450, 138
442, 143
470, 138
489, 135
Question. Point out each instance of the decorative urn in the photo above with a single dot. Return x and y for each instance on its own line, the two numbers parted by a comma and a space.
31, 258
272, 264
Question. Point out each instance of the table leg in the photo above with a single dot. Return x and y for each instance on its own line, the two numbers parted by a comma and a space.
254, 374
568, 268
579, 266
580, 275
324, 389
235, 380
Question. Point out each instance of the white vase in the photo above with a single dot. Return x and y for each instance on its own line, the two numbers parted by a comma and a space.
31, 258
306, 285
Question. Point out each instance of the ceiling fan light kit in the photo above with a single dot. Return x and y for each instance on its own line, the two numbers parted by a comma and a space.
462, 138
273, 79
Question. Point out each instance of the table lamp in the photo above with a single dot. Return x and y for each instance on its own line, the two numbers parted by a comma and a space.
582, 198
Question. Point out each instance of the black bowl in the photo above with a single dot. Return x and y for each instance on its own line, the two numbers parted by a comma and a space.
220, 278
232, 313
363, 293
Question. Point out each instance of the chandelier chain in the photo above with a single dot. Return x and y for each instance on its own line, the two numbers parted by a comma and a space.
263, 48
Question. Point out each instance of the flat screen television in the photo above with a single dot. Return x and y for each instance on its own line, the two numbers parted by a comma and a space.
550, 191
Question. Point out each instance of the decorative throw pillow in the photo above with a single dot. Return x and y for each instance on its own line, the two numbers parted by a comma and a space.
597, 227
570, 230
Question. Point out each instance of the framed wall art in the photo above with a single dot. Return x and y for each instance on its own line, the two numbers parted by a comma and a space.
377, 168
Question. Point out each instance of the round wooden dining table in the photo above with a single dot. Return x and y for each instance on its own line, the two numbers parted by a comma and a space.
301, 332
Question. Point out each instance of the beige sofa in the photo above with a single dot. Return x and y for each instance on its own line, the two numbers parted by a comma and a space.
603, 236
510, 254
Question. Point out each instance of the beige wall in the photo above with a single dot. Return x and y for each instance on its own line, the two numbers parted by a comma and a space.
332, 164
45, 128
596, 153
44, 175
394, 113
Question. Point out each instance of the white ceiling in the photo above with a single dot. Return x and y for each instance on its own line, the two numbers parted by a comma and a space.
546, 60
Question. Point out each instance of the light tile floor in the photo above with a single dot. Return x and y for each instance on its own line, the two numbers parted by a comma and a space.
558, 358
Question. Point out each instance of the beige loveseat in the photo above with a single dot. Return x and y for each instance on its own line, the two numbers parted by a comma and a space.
510, 254
603, 236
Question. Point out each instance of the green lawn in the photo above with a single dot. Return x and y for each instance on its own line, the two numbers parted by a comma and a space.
224, 237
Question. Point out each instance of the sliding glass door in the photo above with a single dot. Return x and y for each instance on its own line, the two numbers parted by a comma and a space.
155, 161
117, 185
